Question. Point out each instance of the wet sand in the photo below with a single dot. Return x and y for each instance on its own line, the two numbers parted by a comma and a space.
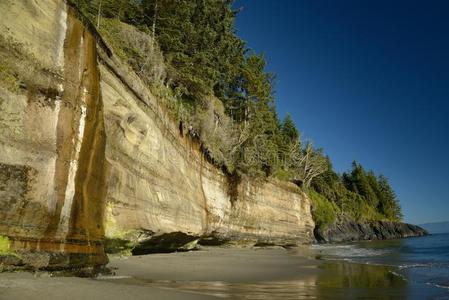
41, 287
218, 264
217, 273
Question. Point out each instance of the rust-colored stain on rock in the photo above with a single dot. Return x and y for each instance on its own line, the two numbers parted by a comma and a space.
55, 186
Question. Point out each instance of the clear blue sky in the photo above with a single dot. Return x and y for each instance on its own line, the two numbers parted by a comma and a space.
366, 81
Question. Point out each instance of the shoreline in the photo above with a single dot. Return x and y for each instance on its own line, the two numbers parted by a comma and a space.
217, 273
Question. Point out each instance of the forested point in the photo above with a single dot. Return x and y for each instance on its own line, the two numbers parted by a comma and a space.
189, 55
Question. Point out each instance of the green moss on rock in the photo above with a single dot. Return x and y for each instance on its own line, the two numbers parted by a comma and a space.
5, 245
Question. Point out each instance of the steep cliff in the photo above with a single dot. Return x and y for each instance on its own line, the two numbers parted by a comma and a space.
88, 154
159, 181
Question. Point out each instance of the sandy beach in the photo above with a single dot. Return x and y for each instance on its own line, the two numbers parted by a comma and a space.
218, 273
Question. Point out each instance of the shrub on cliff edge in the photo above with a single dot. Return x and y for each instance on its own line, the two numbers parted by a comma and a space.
323, 211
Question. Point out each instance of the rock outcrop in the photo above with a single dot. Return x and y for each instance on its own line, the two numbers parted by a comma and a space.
349, 230
88, 154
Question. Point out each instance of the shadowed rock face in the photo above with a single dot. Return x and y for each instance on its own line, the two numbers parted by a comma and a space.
348, 230
90, 153
52, 187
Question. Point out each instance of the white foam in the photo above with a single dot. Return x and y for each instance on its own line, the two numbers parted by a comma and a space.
438, 285
413, 266
442, 286
113, 277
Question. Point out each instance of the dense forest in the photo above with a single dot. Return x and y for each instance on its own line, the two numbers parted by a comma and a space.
189, 55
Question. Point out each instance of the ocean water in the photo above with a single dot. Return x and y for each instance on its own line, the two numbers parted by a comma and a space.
422, 262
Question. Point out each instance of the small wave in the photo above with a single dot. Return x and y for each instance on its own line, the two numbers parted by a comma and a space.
434, 265
441, 286
344, 251
324, 247
409, 266
112, 277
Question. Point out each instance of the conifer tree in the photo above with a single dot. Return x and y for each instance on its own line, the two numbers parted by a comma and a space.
388, 204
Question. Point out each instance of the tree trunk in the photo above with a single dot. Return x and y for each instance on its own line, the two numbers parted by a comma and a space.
99, 14
153, 28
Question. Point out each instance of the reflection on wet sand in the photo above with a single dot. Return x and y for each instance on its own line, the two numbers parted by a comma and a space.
324, 280
295, 289
356, 281
333, 281
223, 273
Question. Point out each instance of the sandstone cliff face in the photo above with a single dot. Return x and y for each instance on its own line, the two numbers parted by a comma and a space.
159, 181
52, 138
89, 153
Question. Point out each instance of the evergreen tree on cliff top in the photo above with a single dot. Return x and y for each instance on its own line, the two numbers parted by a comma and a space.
388, 202
199, 43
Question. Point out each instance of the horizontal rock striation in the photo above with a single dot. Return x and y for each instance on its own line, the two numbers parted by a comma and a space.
159, 181
349, 230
